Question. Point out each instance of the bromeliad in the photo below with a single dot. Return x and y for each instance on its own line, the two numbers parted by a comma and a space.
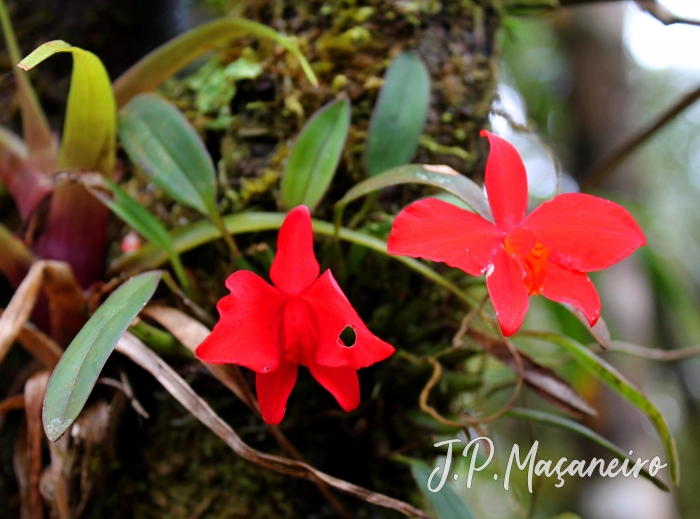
547, 252
298, 321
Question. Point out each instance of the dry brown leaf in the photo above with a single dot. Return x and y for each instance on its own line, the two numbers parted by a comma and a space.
39, 345
34, 391
66, 304
183, 393
11, 403
541, 379
54, 480
20, 307
191, 333
20, 464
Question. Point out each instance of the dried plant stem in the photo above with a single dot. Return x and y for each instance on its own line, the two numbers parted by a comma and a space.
183, 393
653, 354
618, 156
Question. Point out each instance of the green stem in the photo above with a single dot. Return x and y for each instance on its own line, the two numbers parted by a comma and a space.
360, 215
195, 235
160, 341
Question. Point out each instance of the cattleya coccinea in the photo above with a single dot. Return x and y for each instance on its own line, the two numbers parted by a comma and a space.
547, 252
298, 321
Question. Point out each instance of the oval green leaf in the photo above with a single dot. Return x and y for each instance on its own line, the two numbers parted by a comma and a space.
76, 373
399, 115
443, 177
89, 131
169, 58
623, 387
315, 156
163, 143
446, 503
543, 417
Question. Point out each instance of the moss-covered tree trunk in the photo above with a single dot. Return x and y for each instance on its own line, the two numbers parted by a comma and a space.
170, 465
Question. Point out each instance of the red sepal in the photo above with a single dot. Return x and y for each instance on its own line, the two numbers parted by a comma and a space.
439, 231
506, 182
332, 313
507, 291
342, 383
585, 232
573, 287
273, 390
248, 329
295, 267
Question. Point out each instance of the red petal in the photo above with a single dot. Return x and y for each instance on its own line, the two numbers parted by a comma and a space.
573, 287
438, 231
295, 266
332, 313
300, 343
508, 293
274, 389
585, 232
342, 383
506, 182
248, 330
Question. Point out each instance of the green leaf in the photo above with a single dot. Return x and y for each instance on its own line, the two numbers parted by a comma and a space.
443, 177
165, 146
169, 58
618, 383
143, 222
89, 131
446, 502
76, 373
315, 156
570, 425
35, 128
399, 115
197, 234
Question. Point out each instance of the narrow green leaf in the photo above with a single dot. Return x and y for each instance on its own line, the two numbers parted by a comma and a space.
315, 156
570, 425
35, 127
143, 222
89, 131
197, 234
399, 115
163, 143
446, 503
443, 177
169, 58
618, 383
76, 373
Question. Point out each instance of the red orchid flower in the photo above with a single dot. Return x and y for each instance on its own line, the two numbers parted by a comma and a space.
547, 252
273, 329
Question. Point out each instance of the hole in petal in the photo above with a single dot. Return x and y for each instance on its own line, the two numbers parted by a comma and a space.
347, 337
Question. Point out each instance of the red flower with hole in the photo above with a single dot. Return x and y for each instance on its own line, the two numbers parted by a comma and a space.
547, 252
299, 320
